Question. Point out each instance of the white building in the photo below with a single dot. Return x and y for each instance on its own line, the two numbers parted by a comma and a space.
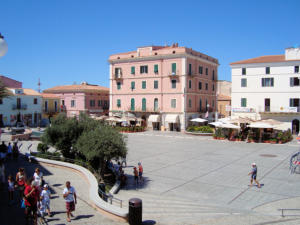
268, 87
24, 105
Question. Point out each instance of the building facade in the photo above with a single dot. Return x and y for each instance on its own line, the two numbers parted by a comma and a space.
224, 98
84, 97
10, 83
166, 86
268, 87
50, 106
23, 105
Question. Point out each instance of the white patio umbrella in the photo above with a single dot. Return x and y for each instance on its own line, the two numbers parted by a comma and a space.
229, 126
224, 120
199, 120
216, 124
260, 125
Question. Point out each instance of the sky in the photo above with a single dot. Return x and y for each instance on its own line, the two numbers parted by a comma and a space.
64, 42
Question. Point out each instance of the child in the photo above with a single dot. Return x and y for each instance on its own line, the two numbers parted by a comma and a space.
45, 200
136, 176
253, 174
140, 171
11, 189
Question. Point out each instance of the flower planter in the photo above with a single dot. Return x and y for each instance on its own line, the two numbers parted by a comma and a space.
273, 142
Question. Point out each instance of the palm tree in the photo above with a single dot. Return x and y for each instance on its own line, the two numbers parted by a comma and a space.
3, 90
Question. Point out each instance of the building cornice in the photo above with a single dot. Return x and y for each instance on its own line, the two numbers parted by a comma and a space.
268, 64
160, 57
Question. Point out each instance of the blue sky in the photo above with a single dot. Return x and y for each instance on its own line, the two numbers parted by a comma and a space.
67, 41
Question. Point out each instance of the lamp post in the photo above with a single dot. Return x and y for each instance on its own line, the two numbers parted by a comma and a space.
3, 46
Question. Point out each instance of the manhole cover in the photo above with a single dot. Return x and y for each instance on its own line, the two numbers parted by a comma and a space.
268, 155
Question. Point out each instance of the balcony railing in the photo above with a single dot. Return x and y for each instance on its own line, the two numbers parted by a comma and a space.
118, 76
173, 73
19, 107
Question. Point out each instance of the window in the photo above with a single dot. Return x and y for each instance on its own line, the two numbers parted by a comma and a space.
213, 87
118, 85
143, 104
294, 81
190, 84
118, 103
105, 104
35, 101
46, 106
92, 103
133, 70
243, 102
99, 103
296, 69
200, 85
143, 84
243, 71
190, 103
173, 68
73, 103
173, 103
132, 104
213, 75
118, 72
173, 83
190, 69
63, 102
1, 101
143, 69
267, 82
132, 85
206, 105
295, 102
213, 103
156, 69
200, 105
155, 104
243, 82
206, 71
206, 86
200, 69
55, 106
156, 84
267, 70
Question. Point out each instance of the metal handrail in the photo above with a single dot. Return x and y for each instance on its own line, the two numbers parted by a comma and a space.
282, 215
109, 197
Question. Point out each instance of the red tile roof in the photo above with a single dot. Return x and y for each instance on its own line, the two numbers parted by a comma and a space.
50, 96
77, 88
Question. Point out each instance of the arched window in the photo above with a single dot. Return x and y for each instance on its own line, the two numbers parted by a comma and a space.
155, 104
132, 106
143, 104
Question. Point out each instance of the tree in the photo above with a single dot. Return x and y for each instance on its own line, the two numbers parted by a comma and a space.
101, 145
3, 90
63, 134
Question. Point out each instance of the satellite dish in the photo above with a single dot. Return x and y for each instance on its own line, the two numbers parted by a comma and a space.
3, 46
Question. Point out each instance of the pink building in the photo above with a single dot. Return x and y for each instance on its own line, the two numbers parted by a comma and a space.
166, 86
10, 83
84, 97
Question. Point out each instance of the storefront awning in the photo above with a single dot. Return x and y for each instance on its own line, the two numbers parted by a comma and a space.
154, 119
172, 118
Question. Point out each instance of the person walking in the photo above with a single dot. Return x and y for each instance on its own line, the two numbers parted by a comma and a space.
21, 181
140, 171
9, 151
3, 151
38, 177
70, 197
45, 200
253, 174
136, 177
11, 189
15, 151
31, 196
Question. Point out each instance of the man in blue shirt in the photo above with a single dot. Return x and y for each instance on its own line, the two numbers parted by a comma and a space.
253, 174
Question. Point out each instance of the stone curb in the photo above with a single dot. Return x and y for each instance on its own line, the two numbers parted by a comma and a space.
93, 192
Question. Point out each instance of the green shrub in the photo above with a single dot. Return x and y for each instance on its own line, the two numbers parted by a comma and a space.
42, 147
205, 129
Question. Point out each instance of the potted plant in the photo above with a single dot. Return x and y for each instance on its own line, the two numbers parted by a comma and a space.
273, 140
279, 137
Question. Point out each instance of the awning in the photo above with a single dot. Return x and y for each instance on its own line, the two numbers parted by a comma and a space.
154, 118
260, 125
199, 120
172, 118
229, 125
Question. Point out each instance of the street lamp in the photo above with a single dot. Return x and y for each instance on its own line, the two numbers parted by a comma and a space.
3, 46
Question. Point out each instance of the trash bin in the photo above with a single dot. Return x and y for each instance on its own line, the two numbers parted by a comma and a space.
135, 211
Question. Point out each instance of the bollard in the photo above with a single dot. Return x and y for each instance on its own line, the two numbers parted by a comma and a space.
135, 211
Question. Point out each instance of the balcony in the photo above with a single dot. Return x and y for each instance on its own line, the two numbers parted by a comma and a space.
191, 73
173, 74
19, 107
118, 76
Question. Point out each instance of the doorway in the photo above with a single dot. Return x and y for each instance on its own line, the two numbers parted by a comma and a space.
295, 126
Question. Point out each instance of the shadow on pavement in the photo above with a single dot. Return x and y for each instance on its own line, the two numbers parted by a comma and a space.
148, 222
82, 217
131, 185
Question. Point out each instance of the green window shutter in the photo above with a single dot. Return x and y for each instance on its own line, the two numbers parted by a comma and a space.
119, 103
132, 70
132, 85
132, 105
143, 104
243, 102
190, 69
173, 68
155, 68
156, 84
143, 84
119, 85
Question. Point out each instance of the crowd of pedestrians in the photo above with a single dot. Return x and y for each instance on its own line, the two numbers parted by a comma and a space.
30, 192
